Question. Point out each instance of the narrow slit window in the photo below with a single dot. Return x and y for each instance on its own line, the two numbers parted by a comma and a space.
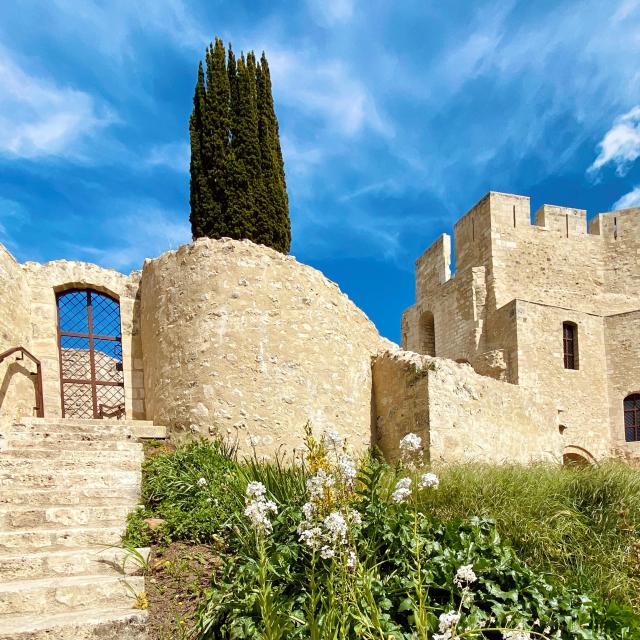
632, 417
570, 345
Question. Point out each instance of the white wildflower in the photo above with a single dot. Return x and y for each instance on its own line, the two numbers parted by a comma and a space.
448, 620
311, 536
429, 481
327, 552
465, 575
202, 482
411, 442
331, 438
546, 630
316, 485
308, 509
347, 469
255, 490
442, 636
356, 518
258, 513
352, 560
336, 527
402, 490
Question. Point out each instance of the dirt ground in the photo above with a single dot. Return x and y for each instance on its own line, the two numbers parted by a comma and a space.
176, 577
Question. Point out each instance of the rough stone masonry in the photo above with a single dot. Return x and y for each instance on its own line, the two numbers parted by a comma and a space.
228, 339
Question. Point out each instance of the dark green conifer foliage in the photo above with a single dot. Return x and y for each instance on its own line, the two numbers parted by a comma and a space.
200, 197
272, 162
238, 185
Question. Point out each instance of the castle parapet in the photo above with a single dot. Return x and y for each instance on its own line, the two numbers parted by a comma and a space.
617, 224
565, 221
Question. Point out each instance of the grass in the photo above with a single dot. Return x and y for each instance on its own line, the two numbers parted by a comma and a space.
578, 526
581, 524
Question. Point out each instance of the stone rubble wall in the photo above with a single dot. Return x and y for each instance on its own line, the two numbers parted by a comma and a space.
45, 280
246, 343
17, 388
461, 415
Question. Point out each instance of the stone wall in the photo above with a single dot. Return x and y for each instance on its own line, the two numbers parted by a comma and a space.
29, 318
515, 284
45, 280
17, 389
623, 373
578, 396
461, 415
244, 342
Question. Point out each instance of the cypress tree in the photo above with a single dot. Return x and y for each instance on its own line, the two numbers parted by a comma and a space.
272, 162
216, 138
200, 196
237, 174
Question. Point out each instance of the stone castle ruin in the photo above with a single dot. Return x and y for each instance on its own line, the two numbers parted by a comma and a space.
528, 352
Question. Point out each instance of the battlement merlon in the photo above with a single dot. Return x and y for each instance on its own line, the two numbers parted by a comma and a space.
617, 224
433, 267
504, 214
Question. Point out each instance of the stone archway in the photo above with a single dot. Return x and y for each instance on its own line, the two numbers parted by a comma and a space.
576, 456
90, 348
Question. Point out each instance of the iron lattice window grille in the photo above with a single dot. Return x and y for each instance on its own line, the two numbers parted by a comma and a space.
632, 417
570, 345
90, 342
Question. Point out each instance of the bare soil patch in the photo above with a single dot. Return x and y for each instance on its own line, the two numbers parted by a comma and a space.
177, 576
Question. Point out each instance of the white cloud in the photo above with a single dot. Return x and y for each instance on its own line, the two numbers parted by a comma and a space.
628, 200
621, 144
173, 155
332, 12
144, 230
39, 118
113, 27
325, 89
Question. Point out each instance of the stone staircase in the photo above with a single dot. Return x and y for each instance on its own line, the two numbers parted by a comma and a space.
66, 487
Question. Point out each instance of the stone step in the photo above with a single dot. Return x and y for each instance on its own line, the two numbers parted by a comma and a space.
67, 442
29, 540
87, 496
72, 562
94, 463
108, 624
30, 434
142, 429
83, 422
27, 517
70, 461
35, 453
21, 478
91, 427
60, 595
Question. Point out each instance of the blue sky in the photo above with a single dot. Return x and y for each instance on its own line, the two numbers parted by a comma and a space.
395, 118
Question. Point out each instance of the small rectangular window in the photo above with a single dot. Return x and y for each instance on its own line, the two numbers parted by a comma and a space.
570, 345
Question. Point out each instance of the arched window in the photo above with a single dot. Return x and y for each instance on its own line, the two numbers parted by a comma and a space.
570, 344
427, 334
632, 417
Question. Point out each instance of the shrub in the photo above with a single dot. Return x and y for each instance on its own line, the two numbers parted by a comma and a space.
391, 572
195, 490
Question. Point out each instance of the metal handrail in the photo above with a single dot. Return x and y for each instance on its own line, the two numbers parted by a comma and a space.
39, 408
